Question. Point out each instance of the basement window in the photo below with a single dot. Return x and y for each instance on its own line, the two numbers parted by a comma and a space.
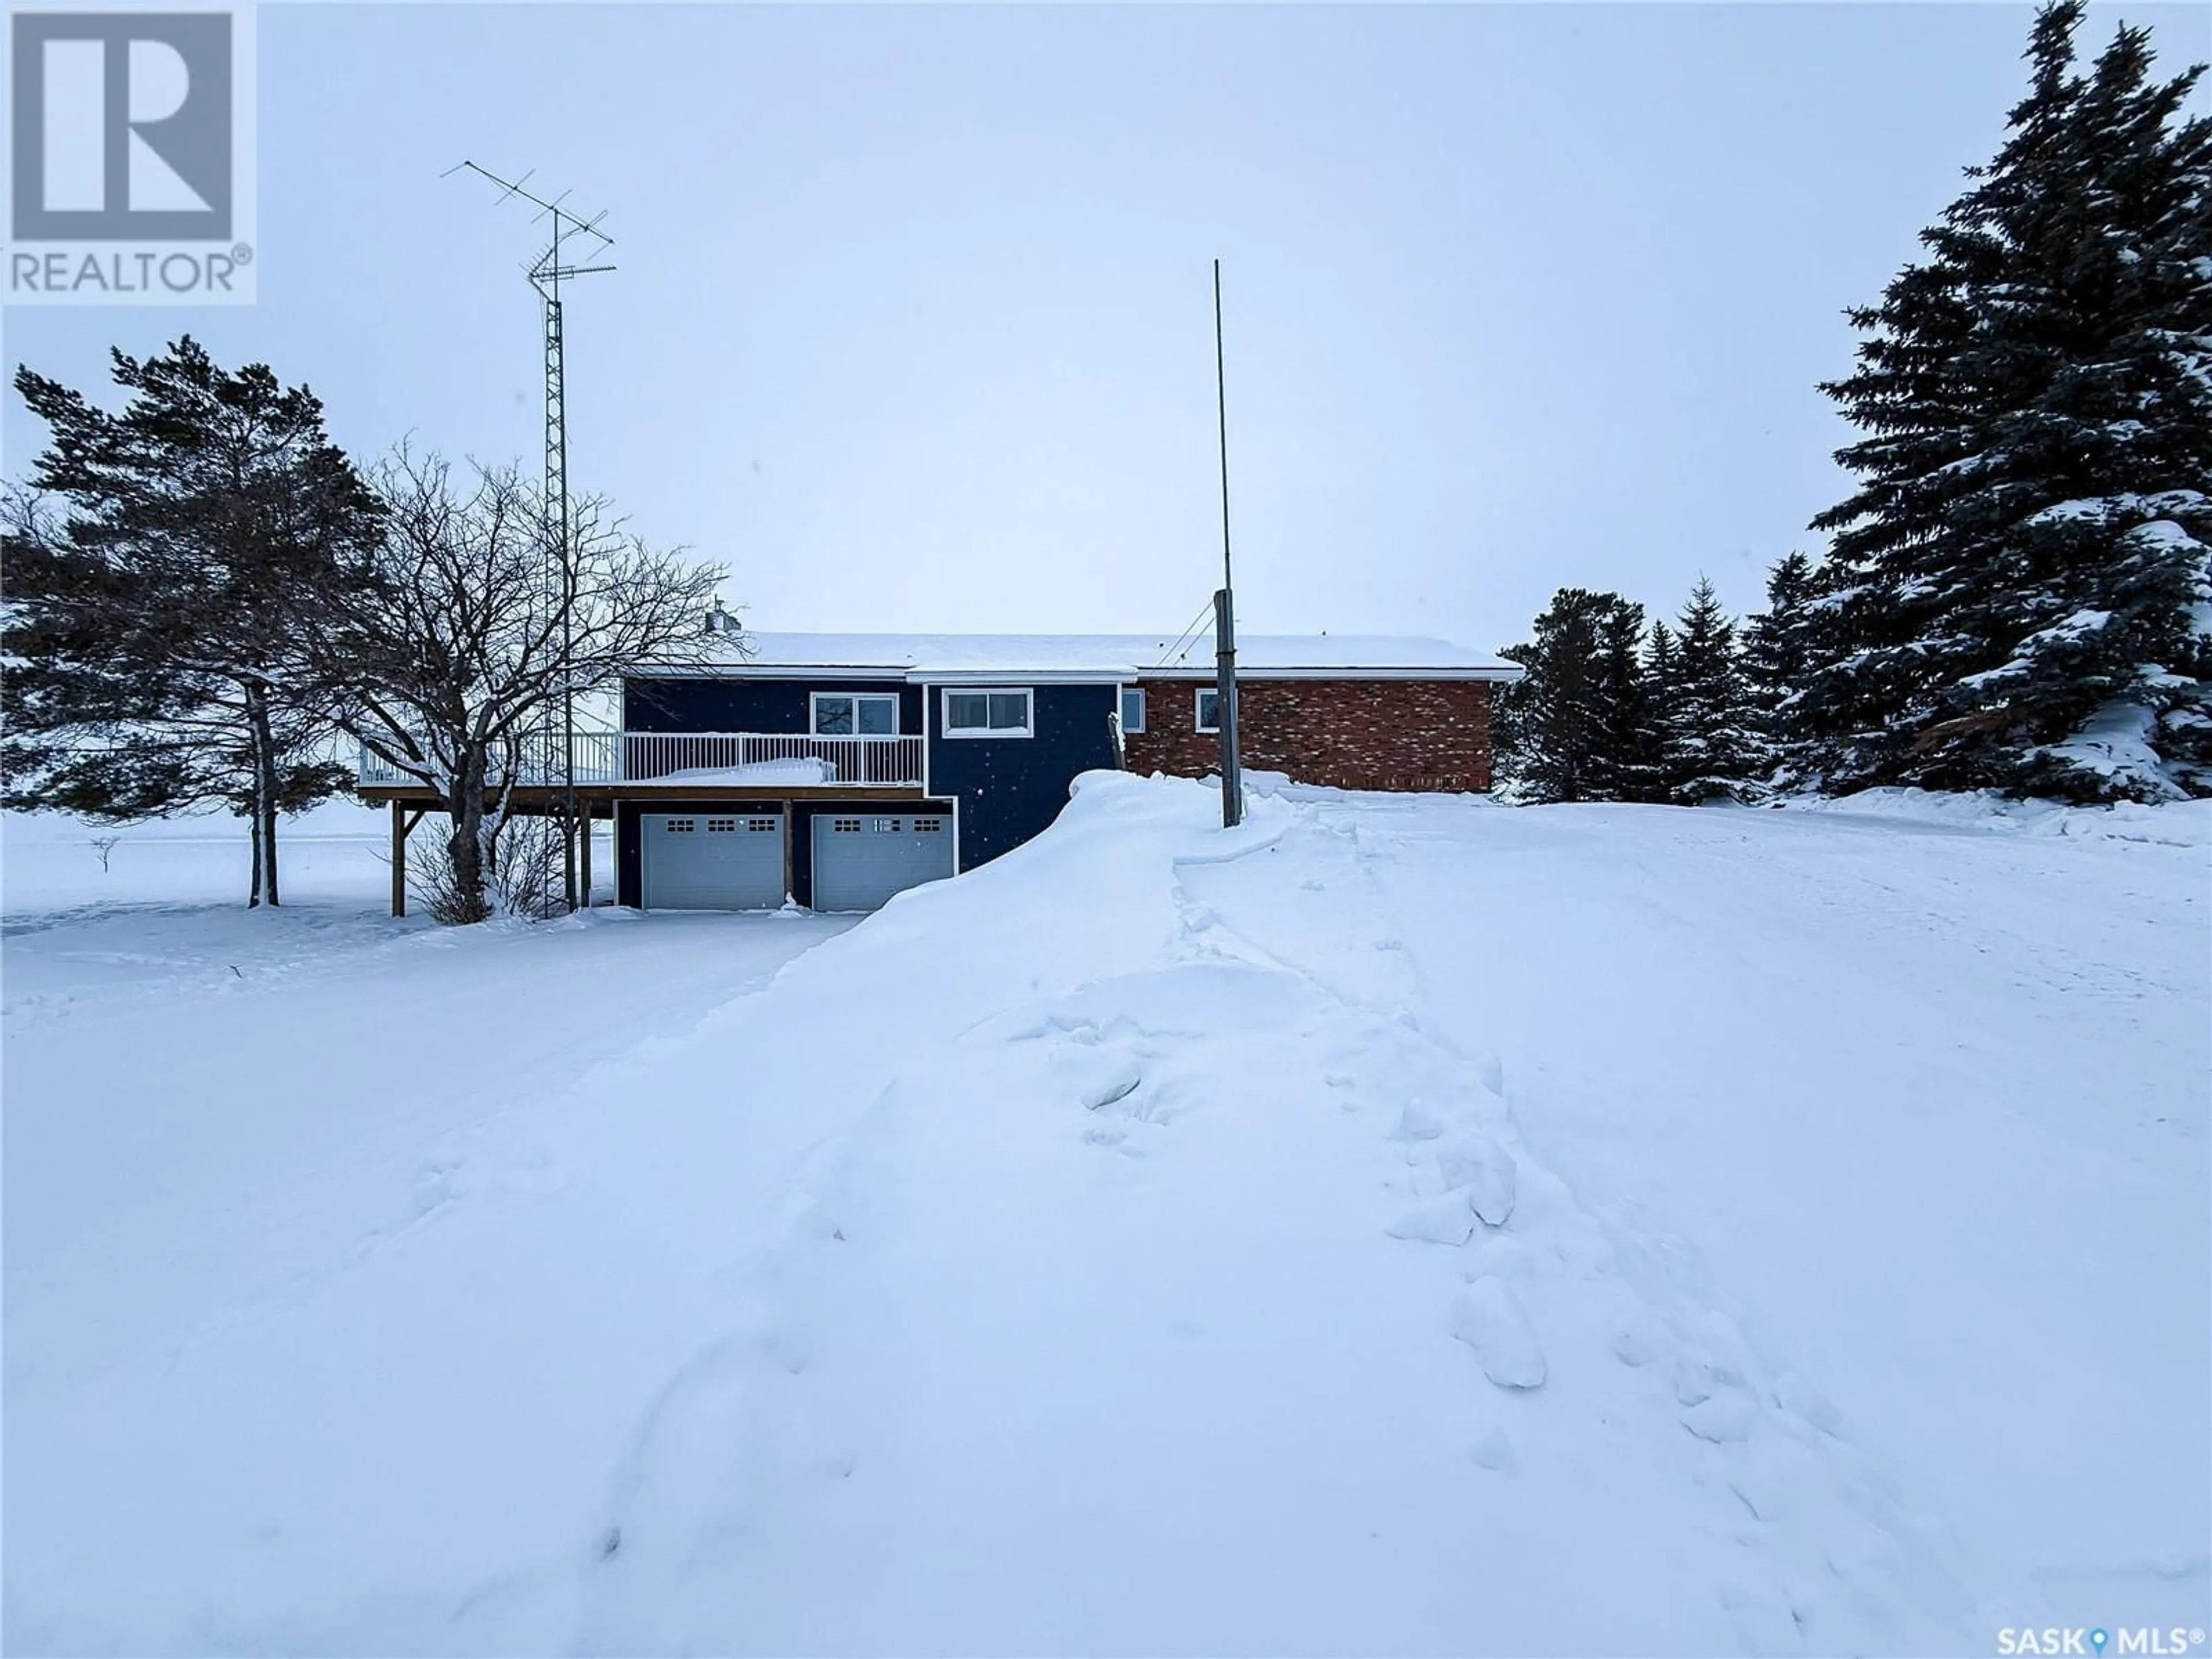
1209, 708
1133, 709
990, 713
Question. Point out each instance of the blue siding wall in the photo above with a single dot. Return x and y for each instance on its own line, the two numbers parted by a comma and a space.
704, 705
1010, 788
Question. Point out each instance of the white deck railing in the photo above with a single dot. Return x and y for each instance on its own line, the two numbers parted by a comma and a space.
671, 759
866, 763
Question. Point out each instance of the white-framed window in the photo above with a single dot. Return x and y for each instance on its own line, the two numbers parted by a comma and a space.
1209, 708
988, 711
854, 714
1133, 708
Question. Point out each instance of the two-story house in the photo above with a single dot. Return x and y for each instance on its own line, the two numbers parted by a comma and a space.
839, 769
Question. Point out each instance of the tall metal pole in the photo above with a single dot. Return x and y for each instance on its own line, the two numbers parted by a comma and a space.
545, 274
1224, 603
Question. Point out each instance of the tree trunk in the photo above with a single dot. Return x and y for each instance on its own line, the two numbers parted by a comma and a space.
465, 845
264, 789
253, 818
269, 837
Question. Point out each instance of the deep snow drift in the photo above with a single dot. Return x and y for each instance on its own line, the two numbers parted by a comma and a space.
1402, 1225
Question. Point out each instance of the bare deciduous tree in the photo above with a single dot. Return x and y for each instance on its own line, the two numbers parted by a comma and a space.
462, 650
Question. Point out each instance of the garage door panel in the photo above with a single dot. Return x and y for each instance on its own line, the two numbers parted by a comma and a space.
862, 859
712, 861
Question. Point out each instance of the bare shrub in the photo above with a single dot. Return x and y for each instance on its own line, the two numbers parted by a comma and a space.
522, 876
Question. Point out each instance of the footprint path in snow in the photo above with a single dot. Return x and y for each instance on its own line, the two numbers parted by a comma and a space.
1830, 1554
751, 1440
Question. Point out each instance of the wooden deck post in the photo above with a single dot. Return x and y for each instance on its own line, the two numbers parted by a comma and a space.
399, 828
584, 862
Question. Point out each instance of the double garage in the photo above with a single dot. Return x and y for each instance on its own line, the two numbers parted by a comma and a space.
829, 857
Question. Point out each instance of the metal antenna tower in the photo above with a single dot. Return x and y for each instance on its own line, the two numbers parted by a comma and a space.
547, 272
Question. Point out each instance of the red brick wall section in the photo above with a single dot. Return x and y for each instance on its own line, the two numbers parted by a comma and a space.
1350, 734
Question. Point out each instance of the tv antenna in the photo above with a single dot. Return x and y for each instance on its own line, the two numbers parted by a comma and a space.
573, 239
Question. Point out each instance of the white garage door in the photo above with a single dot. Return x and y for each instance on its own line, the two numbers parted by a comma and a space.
712, 861
861, 858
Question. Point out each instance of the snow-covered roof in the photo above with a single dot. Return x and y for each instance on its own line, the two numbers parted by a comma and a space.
1099, 656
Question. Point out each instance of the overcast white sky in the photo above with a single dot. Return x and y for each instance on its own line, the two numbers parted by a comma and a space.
913, 325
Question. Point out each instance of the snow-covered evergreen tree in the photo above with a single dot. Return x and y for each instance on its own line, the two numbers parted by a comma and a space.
1710, 745
1663, 673
1627, 751
1660, 669
1780, 645
1577, 728
2019, 586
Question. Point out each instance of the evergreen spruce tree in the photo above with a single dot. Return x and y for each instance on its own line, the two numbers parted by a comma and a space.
157, 639
1780, 645
1710, 746
1660, 671
1573, 729
2014, 584
1545, 722
1628, 748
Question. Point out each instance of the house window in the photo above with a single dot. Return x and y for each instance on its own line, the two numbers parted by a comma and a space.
1133, 708
1209, 709
847, 714
986, 713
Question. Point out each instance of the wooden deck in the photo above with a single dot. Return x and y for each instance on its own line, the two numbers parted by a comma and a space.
412, 803
598, 797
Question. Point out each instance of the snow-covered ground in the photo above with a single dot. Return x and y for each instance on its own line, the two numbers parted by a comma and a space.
1402, 1225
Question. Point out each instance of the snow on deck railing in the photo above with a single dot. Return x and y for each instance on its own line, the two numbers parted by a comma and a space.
863, 762
680, 758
